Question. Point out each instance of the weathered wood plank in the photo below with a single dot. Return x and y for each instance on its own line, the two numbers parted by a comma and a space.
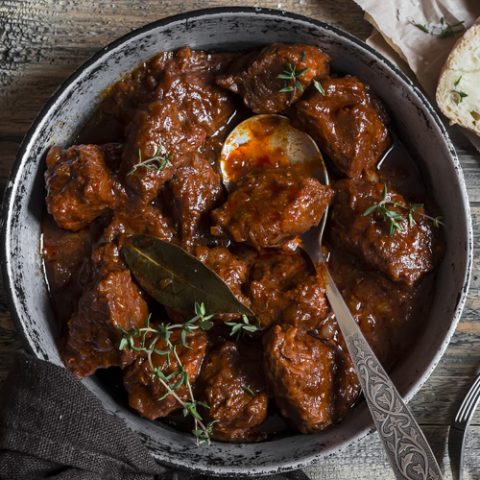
365, 459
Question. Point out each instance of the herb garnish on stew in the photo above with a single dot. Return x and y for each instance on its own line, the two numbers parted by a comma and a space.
291, 75
398, 221
318, 85
237, 328
145, 340
158, 162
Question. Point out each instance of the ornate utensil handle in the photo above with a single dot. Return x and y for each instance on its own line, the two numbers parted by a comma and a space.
406, 446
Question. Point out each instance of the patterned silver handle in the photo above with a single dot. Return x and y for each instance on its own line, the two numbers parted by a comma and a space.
406, 446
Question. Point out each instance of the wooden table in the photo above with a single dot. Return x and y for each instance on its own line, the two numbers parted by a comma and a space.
43, 41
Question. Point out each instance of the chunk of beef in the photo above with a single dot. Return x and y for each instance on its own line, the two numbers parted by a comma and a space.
313, 382
256, 78
79, 186
113, 155
300, 371
271, 206
403, 255
308, 304
111, 302
64, 253
346, 123
272, 275
146, 394
381, 307
106, 257
65, 256
232, 384
226, 265
133, 90
282, 288
168, 131
195, 190
346, 384
138, 219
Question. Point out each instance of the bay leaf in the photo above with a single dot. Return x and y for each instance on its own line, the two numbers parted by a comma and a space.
177, 279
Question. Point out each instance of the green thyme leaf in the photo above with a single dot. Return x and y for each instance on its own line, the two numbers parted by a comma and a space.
148, 337
398, 221
318, 85
158, 162
420, 26
248, 389
370, 210
290, 76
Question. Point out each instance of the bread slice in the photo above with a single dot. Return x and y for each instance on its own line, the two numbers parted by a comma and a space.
458, 90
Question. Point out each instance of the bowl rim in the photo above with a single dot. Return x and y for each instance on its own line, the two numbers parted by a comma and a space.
10, 191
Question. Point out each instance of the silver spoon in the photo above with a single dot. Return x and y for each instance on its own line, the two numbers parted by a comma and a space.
404, 442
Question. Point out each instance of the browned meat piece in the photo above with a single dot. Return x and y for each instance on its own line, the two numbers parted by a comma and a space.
79, 186
347, 124
168, 131
271, 206
258, 83
106, 257
138, 219
146, 394
134, 89
232, 384
195, 189
382, 308
313, 382
113, 155
405, 255
228, 266
272, 275
307, 302
64, 253
300, 370
65, 256
346, 385
281, 288
110, 303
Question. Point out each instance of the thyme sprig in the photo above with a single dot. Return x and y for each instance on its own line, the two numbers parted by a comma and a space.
237, 328
458, 95
158, 162
442, 30
248, 389
318, 85
290, 75
398, 221
145, 340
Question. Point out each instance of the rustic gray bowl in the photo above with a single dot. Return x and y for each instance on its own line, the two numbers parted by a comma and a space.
235, 28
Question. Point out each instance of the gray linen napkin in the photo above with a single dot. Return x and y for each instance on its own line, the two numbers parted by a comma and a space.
52, 427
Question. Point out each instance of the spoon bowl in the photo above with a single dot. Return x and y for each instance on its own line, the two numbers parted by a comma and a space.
269, 140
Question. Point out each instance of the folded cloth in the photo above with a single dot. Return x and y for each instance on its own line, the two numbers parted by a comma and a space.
399, 34
52, 427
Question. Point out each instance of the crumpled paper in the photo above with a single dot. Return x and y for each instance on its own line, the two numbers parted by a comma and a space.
397, 37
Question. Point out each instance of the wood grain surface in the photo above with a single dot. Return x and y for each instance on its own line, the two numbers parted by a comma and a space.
43, 41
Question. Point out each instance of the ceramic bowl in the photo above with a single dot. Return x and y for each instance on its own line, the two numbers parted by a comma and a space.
417, 124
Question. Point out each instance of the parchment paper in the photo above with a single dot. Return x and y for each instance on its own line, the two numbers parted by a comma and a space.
398, 39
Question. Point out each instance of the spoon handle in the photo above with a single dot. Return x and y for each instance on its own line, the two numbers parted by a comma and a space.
407, 448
